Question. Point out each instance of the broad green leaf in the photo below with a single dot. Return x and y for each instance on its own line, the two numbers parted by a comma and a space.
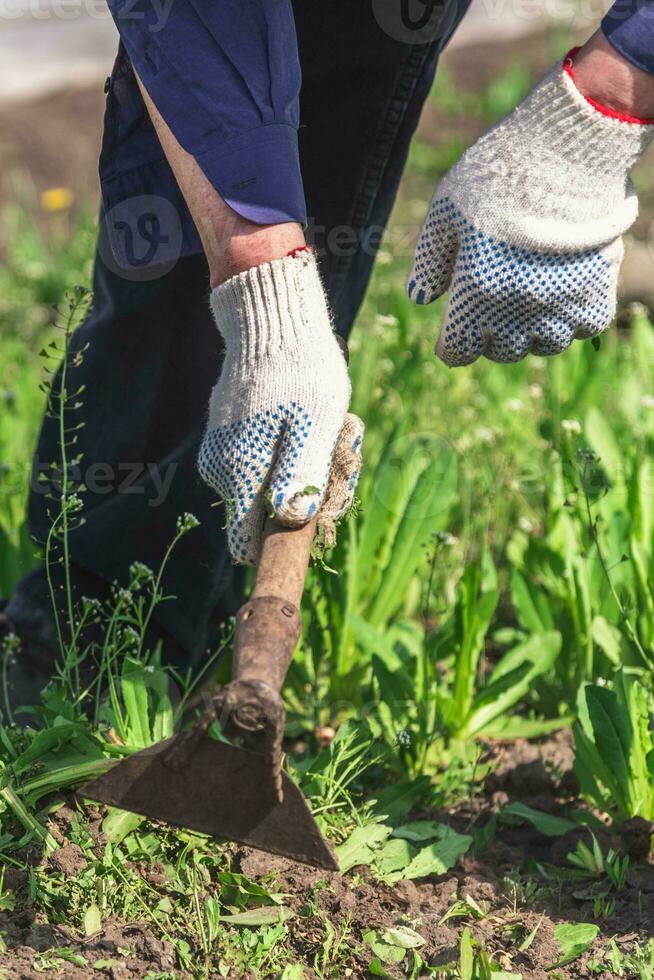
390, 953
531, 605
608, 638
92, 920
134, 692
119, 823
237, 890
422, 830
292, 972
574, 939
394, 855
538, 654
361, 845
638, 702
436, 859
588, 766
394, 802
373, 642
543, 822
612, 733
376, 969
265, 916
46, 746
404, 937
539, 649
515, 726
426, 511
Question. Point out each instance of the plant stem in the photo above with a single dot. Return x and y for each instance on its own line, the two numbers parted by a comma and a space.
30, 823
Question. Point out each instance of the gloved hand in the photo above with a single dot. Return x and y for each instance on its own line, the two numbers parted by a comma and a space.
526, 228
280, 402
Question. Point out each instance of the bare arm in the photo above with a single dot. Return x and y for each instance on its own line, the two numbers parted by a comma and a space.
231, 243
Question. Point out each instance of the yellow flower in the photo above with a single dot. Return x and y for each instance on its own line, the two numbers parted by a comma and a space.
57, 199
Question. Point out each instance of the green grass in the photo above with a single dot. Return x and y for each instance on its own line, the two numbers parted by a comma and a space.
495, 583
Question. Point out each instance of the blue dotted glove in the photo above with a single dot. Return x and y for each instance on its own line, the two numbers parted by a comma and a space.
526, 229
280, 402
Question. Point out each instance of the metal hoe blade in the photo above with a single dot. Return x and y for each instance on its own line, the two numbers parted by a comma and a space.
219, 790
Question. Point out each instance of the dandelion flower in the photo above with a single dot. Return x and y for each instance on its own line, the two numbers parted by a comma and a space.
57, 199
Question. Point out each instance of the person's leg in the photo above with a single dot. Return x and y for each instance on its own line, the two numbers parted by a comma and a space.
152, 357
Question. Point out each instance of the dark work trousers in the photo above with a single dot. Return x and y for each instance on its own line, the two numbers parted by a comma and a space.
153, 349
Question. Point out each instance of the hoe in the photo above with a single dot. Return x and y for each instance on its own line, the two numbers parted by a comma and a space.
224, 790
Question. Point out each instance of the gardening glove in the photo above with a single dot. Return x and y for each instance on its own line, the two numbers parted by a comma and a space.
279, 404
343, 479
525, 230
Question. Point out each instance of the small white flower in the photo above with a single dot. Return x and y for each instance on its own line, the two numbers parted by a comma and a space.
572, 426
138, 570
387, 320
187, 522
525, 525
485, 436
74, 502
647, 401
535, 391
514, 405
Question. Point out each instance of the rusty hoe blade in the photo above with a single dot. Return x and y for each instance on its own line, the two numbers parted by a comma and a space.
220, 790
195, 781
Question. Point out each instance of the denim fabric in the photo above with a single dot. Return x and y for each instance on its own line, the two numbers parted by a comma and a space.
154, 352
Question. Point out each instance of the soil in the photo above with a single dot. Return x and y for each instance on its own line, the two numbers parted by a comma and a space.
537, 774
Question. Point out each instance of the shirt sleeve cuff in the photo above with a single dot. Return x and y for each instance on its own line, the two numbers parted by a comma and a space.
258, 174
629, 28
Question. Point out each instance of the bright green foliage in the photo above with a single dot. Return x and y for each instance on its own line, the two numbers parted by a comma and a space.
614, 746
595, 864
574, 940
502, 556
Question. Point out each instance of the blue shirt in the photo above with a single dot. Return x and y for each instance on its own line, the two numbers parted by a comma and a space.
629, 27
225, 76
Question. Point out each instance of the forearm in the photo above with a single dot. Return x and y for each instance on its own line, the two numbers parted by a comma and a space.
231, 243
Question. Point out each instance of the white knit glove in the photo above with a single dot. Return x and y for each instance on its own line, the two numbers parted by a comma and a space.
279, 404
525, 230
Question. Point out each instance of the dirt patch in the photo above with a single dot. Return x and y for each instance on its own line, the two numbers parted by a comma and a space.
508, 881
502, 880
118, 951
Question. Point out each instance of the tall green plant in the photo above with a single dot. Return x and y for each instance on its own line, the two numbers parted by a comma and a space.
405, 499
614, 746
